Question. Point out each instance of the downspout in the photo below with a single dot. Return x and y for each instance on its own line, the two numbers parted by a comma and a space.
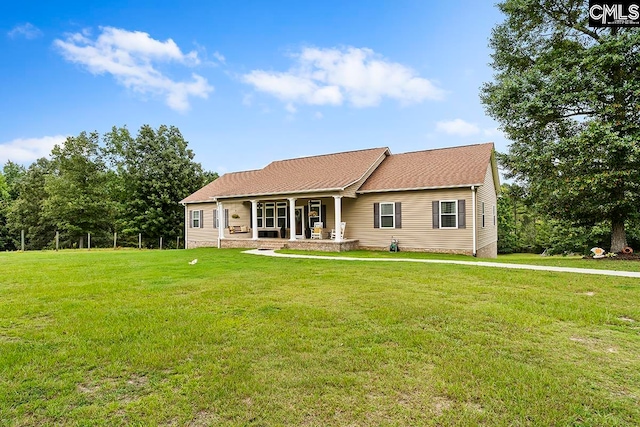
186, 225
473, 217
219, 222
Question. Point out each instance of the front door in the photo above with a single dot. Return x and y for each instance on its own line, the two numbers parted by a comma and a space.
299, 222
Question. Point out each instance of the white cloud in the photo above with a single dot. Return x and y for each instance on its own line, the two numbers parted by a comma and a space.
458, 127
334, 76
27, 30
221, 59
131, 58
318, 115
27, 150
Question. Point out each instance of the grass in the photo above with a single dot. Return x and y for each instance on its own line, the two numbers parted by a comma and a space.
555, 261
144, 338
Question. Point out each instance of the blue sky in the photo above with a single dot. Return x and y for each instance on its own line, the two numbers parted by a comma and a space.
248, 82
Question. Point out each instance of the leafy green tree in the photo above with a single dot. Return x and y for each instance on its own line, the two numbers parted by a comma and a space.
567, 95
4, 204
13, 172
9, 180
157, 171
79, 200
26, 211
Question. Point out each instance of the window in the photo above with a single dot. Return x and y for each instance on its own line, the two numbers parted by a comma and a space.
259, 213
215, 218
315, 212
270, 215
387, 215
483, 215
448, 214
195, 219
281, 213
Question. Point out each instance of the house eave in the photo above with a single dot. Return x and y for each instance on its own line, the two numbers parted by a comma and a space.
282, 193
441, 187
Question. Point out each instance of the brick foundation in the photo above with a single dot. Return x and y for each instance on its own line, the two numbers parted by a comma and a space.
303, 245
423, 250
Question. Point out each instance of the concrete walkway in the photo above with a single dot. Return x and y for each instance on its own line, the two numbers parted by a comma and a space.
474, 263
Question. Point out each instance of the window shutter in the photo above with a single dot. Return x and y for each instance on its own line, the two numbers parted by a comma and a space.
215, 218
376, 215
226, 218
190, 219
323, 216
398, 215
201, 223
462, 215
435, 214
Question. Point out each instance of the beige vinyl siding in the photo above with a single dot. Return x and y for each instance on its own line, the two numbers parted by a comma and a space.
206, 234
487, 194
417, 230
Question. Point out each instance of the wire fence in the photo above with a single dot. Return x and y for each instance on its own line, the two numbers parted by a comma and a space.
101, 240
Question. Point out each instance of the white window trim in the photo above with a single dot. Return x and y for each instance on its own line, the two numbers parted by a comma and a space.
393, 214
455, 214
260, 215
313, 205
279, 206
269, 205
194, 219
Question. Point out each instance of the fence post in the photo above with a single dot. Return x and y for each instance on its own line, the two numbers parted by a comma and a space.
57, 240
22, 240
88, 241
160, 242
139, 240
178, 242
115, 239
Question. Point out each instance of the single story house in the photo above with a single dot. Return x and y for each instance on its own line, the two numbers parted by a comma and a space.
441, 200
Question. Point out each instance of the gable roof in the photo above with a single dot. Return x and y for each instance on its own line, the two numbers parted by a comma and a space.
329, 172
439, 168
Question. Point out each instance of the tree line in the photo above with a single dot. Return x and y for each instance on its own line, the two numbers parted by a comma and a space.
101, 184
526, 226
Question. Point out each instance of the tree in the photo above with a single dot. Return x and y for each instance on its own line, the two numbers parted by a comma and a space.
26, 211
157, 171
4, 203
567, 95
78, 199
9, 180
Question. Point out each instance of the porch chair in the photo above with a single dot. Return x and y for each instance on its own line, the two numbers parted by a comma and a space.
316, 233
342, 227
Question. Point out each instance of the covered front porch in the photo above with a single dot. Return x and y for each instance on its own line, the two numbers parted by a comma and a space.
290, 219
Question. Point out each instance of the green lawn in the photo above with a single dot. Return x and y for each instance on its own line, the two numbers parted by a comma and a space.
555, 261
144, 338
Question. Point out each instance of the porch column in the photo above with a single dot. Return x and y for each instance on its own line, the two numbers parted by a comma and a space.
254, 219
292, 219
338, 215
220, 223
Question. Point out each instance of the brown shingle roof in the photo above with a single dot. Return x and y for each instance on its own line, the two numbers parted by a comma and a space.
225, 183
306, 174
445, 167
